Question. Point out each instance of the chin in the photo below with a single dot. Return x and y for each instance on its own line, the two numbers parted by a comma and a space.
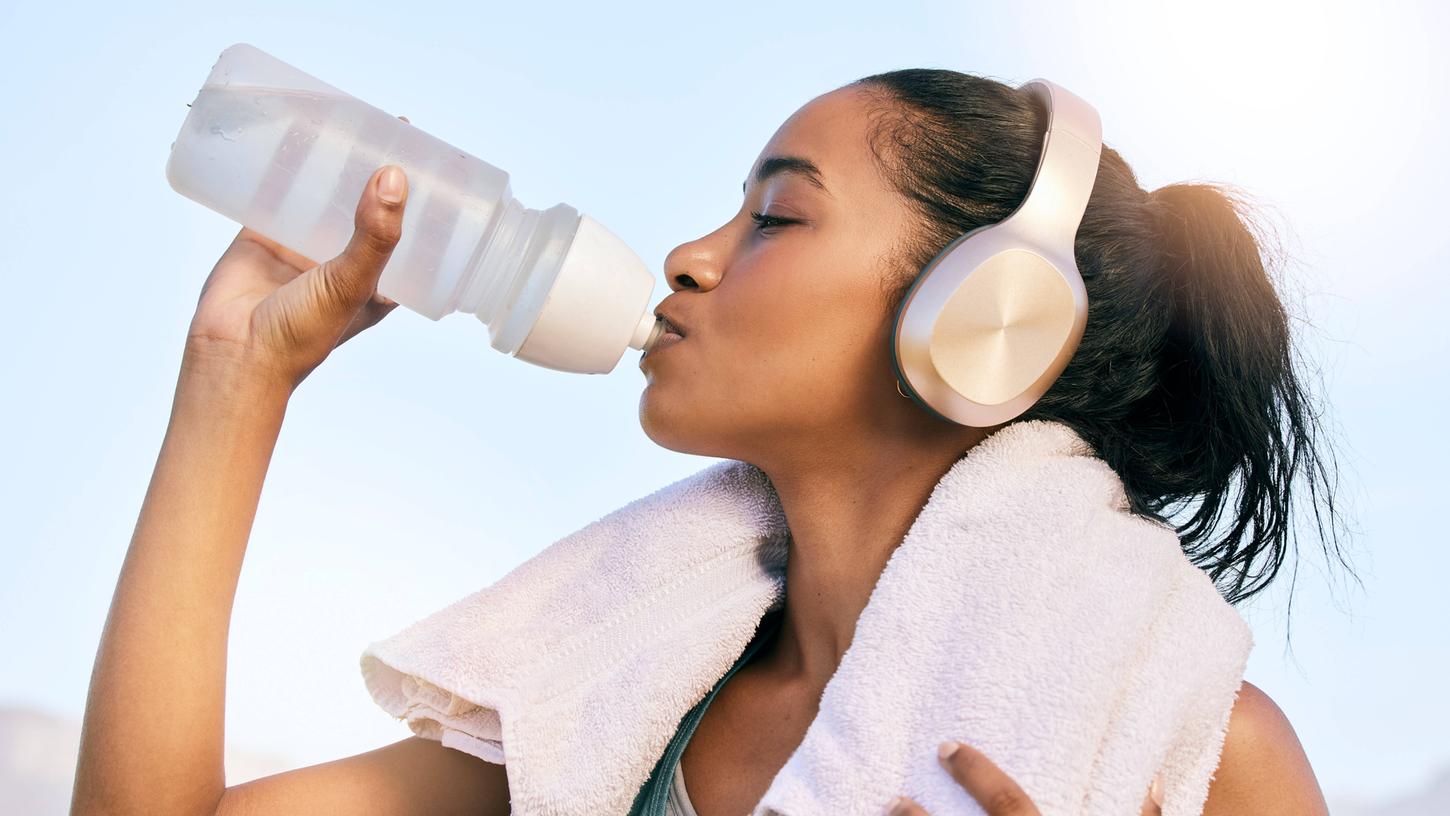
673, 427
659, 423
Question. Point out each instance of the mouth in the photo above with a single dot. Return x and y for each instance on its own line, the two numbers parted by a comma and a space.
670, 327
672, 334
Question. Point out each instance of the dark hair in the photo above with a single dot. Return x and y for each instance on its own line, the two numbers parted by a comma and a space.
1185, 380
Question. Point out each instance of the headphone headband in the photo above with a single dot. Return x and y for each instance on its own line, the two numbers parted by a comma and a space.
994, 318
1071, 148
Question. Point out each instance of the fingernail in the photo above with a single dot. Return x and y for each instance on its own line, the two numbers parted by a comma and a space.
897, 806
947, 749
390, 186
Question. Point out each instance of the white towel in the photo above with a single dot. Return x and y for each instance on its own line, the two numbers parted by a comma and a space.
1026, 613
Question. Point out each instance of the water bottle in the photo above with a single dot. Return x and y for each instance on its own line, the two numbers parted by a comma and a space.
279, 151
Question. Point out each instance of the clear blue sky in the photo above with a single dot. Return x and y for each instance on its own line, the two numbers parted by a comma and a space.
418, 464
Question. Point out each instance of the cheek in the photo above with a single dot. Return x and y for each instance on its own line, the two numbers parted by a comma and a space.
817, 294
800, 342
813, 339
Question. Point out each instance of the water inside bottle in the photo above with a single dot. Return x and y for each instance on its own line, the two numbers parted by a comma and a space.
294, 162
287, 123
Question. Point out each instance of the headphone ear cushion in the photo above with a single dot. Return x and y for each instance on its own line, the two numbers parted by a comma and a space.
1004, 327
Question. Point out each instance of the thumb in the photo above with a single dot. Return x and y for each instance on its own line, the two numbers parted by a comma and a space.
347, 281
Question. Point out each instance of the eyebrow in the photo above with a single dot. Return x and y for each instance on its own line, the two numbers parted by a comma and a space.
789, 164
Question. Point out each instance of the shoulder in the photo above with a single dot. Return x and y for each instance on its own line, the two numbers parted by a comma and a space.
1262, 769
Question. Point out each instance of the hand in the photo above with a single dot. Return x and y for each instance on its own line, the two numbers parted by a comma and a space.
993, 789
279, 313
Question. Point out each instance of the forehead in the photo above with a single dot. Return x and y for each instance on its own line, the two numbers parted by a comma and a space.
831, 131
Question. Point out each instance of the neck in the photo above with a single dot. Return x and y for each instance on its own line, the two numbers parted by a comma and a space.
847, 513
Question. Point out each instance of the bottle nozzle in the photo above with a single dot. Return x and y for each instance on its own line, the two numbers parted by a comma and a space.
647, 333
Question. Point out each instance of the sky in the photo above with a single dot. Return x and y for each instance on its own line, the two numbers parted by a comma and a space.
417, 464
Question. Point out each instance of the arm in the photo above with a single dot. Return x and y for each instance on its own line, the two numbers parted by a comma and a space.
152, 736
413, 776
1263, 768
152, 733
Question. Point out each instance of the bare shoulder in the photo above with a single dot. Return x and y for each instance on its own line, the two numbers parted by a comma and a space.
1263, 769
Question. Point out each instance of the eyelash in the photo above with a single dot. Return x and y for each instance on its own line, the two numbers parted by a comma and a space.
764, 222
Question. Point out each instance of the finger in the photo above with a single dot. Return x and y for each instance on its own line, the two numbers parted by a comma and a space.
346, 282
988, 784
905, 806
1151, 806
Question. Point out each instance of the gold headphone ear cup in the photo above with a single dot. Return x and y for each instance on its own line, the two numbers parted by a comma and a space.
1003, 327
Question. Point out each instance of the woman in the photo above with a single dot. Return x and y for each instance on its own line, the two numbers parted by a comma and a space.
1183, 381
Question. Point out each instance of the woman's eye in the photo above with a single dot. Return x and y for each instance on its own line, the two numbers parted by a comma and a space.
764, 222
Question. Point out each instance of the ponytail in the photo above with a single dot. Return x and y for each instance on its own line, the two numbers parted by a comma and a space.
1228, 389
1186, 379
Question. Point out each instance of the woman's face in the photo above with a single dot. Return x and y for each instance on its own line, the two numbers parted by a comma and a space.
785, 325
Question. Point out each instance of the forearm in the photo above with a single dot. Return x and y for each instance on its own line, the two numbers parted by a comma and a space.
153, 731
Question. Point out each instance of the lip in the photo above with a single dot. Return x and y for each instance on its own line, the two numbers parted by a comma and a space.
671, 324
666, 340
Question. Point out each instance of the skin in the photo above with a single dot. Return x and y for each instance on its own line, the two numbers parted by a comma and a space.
785, 364
152, 736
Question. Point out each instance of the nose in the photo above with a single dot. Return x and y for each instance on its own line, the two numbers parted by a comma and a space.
695, 264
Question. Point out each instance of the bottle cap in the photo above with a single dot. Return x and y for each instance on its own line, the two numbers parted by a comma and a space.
597, 307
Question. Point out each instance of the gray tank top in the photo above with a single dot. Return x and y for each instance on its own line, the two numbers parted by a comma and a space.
677, 803
663, 794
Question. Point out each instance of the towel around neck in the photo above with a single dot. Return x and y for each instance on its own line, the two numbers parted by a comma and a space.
1027, 612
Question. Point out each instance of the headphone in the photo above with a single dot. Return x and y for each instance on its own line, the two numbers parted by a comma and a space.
994, 318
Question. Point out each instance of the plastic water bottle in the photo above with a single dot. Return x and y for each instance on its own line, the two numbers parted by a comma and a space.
277, 150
